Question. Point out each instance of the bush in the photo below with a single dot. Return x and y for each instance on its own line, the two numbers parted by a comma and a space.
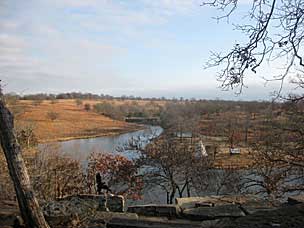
26, 136
54, 175
53, 115
87, 107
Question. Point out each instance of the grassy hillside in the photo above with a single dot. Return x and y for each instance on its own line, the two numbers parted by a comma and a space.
71, 120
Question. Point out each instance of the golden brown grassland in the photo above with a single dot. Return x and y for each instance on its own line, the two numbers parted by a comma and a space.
72, 121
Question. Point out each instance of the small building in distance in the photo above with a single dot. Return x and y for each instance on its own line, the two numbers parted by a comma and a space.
234, 151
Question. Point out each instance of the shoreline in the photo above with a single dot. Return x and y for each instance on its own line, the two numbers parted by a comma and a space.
109, 134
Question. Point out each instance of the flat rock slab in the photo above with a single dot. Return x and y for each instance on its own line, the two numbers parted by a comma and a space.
248, 203
132, 220
192, 202
209, 213
253, 206
292, 200
283, 217
170, 211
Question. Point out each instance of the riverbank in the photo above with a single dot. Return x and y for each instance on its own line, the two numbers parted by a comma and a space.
65, 120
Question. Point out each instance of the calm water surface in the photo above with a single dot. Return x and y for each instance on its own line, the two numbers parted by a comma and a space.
80, 149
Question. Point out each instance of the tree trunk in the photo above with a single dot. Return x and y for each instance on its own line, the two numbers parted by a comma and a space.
28, 204
168, 196
188, 190
172, 195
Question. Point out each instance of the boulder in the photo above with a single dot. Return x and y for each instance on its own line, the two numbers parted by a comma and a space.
165, 210
210, 213
70, 206
85, 202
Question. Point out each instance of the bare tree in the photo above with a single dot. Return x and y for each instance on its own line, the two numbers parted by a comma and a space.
275, 30
55, 175
26, 135
278, 161
167, 164
29, 207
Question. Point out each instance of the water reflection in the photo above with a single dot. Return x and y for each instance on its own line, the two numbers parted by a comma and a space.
80, 149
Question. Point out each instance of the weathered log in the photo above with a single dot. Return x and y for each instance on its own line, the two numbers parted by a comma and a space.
28, 204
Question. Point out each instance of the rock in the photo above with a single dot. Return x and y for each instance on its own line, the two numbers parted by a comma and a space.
102, 203
82, 204
58, 220
292, 200
156, 222
115, 203
283, 217
192, 202
70, 206
248, 203
253, 205
166, 210
208, 213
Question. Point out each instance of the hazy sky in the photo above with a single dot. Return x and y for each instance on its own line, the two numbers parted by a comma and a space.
133, 47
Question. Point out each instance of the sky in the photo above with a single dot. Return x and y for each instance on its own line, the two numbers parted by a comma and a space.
148, 48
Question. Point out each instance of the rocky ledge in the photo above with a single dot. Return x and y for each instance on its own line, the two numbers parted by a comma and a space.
212, 211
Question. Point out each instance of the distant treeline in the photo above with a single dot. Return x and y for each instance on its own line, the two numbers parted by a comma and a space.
181, 114
92, 96
79, 95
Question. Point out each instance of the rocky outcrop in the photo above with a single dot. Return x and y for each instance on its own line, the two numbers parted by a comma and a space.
169, 211
132, 220
94, 211
283, 217
247, 204
79, 207
104, 202
211, 213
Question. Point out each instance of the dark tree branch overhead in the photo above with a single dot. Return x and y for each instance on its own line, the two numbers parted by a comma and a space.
28, 204
275, 32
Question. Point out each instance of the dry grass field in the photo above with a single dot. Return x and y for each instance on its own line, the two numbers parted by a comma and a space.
71, 121
237, 161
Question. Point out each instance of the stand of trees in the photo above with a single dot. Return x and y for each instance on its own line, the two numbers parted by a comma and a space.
274, 35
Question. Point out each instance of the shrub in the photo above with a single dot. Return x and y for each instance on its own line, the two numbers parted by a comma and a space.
53, 115
87, 107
